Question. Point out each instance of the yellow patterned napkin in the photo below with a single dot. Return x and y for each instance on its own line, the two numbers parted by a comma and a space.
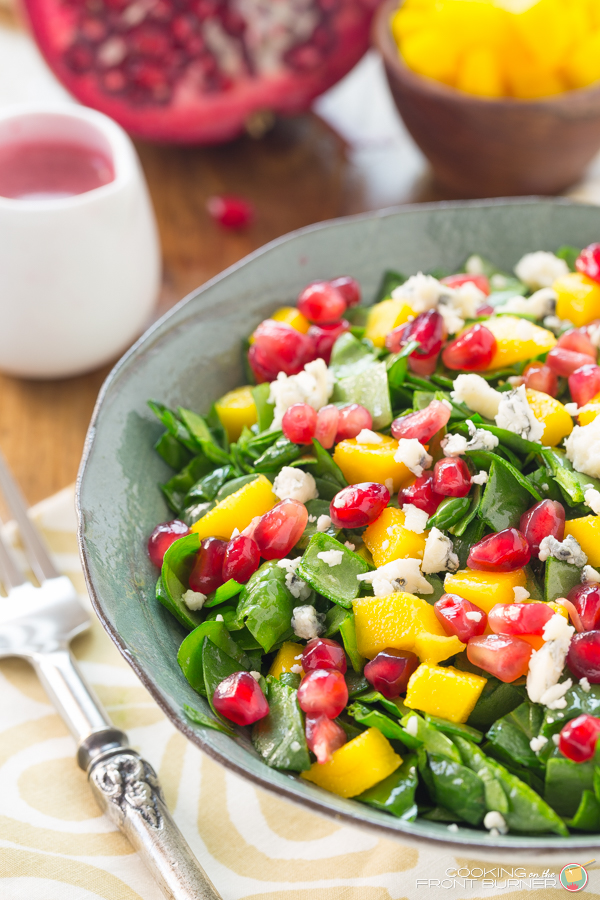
55, 844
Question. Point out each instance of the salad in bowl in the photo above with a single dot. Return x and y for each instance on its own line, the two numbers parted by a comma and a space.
385, 545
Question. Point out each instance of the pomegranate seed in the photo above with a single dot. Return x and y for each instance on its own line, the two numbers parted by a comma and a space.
538, 377
162, 537
502, 552
583, 658
280, 529
321, 303
565, 362
451, 477
421, 494
473, 350
353, 419
207, 574
577, 339
502, 655
324, 737
322, 653
325, 336
584, 383
390, 671
358, 504
480, 281
485, 310
328, 419
230, 212
299, 423
278, 348
578, 738
545, 519
588, 262
586, 600
323, 692
240, 699
519, 618
428, 328
423, 424
459, 617
242, 559
349, 288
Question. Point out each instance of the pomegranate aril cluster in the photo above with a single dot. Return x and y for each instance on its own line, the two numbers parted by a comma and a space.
301, 423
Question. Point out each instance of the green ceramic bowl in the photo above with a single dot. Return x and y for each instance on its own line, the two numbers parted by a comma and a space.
191, 357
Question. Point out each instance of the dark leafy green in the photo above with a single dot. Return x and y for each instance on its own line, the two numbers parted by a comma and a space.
338, 583
396, 793
266, 606
279, 737
177, 565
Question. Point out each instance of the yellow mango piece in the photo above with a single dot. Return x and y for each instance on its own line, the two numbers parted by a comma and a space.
518, 340
543, 28
586, 532
392, 621
237, 510
236, 409
485, 589
578, 298
557, 421
357, 766
384, 317
559, 609
431, 54
480, 73
433, 648
371, 462
444, 691
406, 20
589, 411
388, 539
582, 67
289, 655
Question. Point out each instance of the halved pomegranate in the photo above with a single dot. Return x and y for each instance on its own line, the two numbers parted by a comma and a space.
199, 72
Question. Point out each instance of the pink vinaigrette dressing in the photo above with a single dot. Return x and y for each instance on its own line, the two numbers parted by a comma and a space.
51, 170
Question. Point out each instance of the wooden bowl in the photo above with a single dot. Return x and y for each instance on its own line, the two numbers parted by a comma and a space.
492, 148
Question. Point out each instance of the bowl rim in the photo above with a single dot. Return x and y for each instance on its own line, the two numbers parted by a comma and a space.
409, 833
383, 40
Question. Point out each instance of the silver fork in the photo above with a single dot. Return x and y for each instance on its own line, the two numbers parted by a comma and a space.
38, 623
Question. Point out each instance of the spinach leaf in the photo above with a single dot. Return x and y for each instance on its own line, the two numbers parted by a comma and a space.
177, 487
348, 632
565, 783
266, 606
172, 451
200, 718
587, 817
510, 735
449, 512
223, 593
571, 482
175, 574
279, 454
569, 254
446, 727
495, 701
475, 759
209, 486
390, 280
578, 702
189, 655
433, 740
370, 389
325, 467
457, 788
483, 459
216, 666
560, 577
174, 426
264, 409
315, 508
202, 435
396, 793
504, 499
528, 813
372, 718
279, 737
461, 526
338, 583
472, 534
350, 356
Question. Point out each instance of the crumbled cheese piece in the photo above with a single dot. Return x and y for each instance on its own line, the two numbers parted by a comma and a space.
424, 292
385, 544
540, 304
295, 746
290, 565
194, 600
294, 484
413, 454
298, 588
312, 518
412, 726
572, 409
234, 533
547, 663
256, 675
480, 478
398, 575
556, 325
296, 669
389, 483
498, 282
366, 436
583, 448
591, 498
219, 618
421, 292
314, 385
554, 697
350, 545
567, 551
323, 523
452, 827
307, 623
590, 575
549, 720
557, 628
438, 555
477, 394
415, 519
515, 380
556, 739
585, 685
331, 557
496, 820
521, 594
540, 269
479, 439
538, 743
473, 615
474, 265
515, 414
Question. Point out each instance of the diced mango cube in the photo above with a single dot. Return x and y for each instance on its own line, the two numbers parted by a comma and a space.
392, 621
589, 411
237, 510
586, 532
517, 340
480, 73
236, 409
384, 317
582, 67
371, 462
357, 766
444, 691
388, 539
578, 298
485, 589
557, 421
433, 648
430, 53
288, 656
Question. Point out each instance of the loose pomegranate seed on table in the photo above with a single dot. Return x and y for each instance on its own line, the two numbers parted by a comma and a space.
422, 424
324, 737
323, 692
459, 617
352, 420
584, 383
280, 529
349, 288
588, 262
299, 423
328, 419
538, 377
359, 504
502, 655
162, 537
240, 699
451, 477
564, 362
325, 336
586, 600
504, 551
421, 494
545, 519
207, 574
321, 303
242, 559
233, 213
480, 281
578, 738
323, 653
278, 348
390, 671
519, 618
579, 341
473, 350
583, 658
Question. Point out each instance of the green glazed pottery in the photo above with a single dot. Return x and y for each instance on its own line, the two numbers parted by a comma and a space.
191, 357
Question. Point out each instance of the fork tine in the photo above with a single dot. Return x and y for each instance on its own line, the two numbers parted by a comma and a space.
10, 573
38, 556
